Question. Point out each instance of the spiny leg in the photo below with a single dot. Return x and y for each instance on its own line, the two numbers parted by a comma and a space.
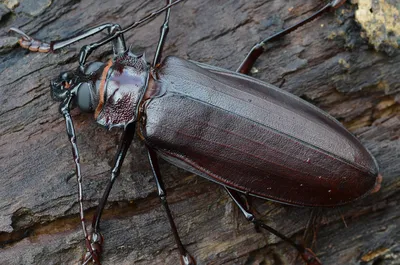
163, 36
31, 44
186, 258
65, 111
259, 48
308, 256
88, 49
96, 239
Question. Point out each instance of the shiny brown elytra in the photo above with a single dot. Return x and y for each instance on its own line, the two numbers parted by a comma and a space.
245, 134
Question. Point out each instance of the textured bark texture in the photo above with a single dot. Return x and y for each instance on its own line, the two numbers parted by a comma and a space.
327, 62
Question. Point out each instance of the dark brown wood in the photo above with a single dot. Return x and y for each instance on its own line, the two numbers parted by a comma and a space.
326, 62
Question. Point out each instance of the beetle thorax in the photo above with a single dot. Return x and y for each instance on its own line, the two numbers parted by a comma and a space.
121, 88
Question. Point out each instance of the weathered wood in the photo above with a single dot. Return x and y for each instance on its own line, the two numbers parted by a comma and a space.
327, 62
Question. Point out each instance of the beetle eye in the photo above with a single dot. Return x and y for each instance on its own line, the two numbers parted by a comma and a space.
66, 76
85, 98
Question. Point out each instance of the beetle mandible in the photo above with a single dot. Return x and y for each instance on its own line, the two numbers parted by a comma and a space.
246, 135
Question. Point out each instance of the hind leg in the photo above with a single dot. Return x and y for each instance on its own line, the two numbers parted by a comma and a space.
260, 47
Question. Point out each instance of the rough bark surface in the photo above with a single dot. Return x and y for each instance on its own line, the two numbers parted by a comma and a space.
326, 62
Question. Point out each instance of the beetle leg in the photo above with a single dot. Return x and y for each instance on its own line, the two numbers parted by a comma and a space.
163, 35
119, 45
55, 45
30, 43
249, 207
96, 239
88, 49
260, 47
186, 258
65, 110
308, 256
115, 32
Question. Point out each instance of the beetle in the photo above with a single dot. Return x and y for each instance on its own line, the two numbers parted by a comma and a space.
235, 130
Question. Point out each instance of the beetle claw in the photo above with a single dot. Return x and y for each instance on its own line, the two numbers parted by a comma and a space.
20, 32
94, 249
27, 42
187, 259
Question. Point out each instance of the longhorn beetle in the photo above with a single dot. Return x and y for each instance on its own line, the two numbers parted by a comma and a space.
242, 133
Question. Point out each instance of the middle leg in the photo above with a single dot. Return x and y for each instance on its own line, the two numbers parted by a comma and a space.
186, 258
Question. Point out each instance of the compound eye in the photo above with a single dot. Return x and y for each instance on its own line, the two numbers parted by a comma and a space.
66, 76
85, 97
65, 79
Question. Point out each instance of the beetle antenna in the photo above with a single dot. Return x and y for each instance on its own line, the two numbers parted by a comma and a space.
65, 110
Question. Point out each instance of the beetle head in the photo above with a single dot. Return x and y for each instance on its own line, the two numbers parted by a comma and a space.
83, 86
112, 90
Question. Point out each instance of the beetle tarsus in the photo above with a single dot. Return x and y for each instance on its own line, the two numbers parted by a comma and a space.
27, 42
94, 249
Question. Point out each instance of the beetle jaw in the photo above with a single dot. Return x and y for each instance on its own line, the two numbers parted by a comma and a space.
61, 87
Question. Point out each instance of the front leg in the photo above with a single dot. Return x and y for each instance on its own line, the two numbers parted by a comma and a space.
115, 34
27, 42
96, 239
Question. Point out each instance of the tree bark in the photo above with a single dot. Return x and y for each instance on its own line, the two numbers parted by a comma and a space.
327, 62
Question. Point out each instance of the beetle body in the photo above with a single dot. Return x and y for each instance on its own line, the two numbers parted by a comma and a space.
242, 133
238, 131
253, 137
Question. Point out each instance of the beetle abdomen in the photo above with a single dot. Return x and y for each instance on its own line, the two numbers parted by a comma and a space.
252, 137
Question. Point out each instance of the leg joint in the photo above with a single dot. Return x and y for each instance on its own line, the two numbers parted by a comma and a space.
114, 28
162, 196
250, 217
